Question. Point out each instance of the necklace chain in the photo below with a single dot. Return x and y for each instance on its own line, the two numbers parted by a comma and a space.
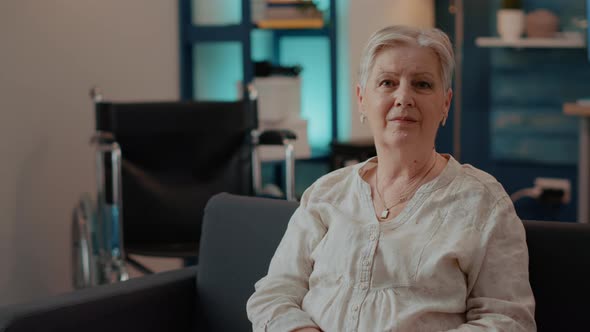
404, 197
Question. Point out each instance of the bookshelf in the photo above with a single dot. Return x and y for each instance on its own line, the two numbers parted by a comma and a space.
241, 33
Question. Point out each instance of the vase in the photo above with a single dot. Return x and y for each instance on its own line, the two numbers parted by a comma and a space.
510, 23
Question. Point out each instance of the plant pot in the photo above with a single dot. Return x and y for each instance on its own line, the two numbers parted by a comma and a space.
510, 23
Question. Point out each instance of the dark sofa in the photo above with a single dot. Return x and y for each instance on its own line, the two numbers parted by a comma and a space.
239, 237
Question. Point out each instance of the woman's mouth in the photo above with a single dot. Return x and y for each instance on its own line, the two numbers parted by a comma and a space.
403, 119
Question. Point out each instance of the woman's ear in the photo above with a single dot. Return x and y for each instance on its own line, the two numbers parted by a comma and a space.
359, 97
448, 100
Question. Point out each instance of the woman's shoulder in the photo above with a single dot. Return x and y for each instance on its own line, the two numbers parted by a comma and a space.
479, 183
475, 197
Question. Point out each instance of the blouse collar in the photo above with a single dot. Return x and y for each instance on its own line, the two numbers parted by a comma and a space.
443, 179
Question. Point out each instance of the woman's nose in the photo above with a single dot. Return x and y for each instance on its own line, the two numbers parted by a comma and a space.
404, 97
404, 102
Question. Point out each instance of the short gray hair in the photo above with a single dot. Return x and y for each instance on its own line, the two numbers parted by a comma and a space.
395, 35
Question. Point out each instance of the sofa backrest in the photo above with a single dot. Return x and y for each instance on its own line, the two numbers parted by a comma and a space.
239, 236
559, 261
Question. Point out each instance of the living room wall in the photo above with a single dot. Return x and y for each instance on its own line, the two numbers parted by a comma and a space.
52, 53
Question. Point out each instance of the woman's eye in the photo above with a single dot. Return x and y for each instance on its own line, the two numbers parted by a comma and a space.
386, 83
423, 85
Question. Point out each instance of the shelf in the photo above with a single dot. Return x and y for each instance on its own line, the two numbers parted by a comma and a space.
559, 42
240, 33
199, 33
576, 109
323, 32
283, 2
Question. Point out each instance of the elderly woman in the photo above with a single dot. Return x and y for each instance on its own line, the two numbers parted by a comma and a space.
410, 240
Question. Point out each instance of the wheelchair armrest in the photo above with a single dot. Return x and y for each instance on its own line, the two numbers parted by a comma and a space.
159, 302
276, 136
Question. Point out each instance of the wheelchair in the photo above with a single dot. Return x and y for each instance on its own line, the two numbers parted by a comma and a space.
157, 164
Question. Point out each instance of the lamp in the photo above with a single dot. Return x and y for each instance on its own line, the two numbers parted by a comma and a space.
419, 13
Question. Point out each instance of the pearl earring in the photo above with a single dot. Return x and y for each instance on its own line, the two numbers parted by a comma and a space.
363, 118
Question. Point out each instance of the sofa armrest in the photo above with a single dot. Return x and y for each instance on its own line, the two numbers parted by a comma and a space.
160, 302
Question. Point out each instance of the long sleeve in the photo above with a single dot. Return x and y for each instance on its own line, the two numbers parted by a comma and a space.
501, 298
276, 302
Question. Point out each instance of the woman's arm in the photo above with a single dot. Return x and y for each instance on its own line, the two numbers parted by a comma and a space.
276, 303
501, 298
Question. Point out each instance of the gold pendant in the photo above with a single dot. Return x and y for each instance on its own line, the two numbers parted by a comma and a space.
384, 214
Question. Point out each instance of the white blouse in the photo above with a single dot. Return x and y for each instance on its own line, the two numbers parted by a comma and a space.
455, 259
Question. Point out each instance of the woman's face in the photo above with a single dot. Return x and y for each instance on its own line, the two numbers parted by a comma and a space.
404, 98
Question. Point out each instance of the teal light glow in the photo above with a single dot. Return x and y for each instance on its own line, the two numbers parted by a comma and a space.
313, 55
345, 87
261, 45
218, 70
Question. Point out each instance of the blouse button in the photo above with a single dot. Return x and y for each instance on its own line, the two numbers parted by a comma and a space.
355, 308
372, 237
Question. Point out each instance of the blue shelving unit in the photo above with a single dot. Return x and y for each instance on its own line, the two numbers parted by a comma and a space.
191, 34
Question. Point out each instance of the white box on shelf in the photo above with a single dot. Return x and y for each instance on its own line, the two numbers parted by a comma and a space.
279, 107
278, 97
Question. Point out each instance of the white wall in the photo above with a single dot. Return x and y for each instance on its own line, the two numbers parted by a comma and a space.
51, 53
368, 16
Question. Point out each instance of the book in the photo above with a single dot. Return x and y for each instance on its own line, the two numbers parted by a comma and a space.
304, 23
291, 13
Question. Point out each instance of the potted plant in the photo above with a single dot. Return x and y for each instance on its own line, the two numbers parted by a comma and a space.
510, 20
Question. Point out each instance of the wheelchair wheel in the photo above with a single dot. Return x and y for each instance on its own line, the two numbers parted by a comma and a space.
84, 267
